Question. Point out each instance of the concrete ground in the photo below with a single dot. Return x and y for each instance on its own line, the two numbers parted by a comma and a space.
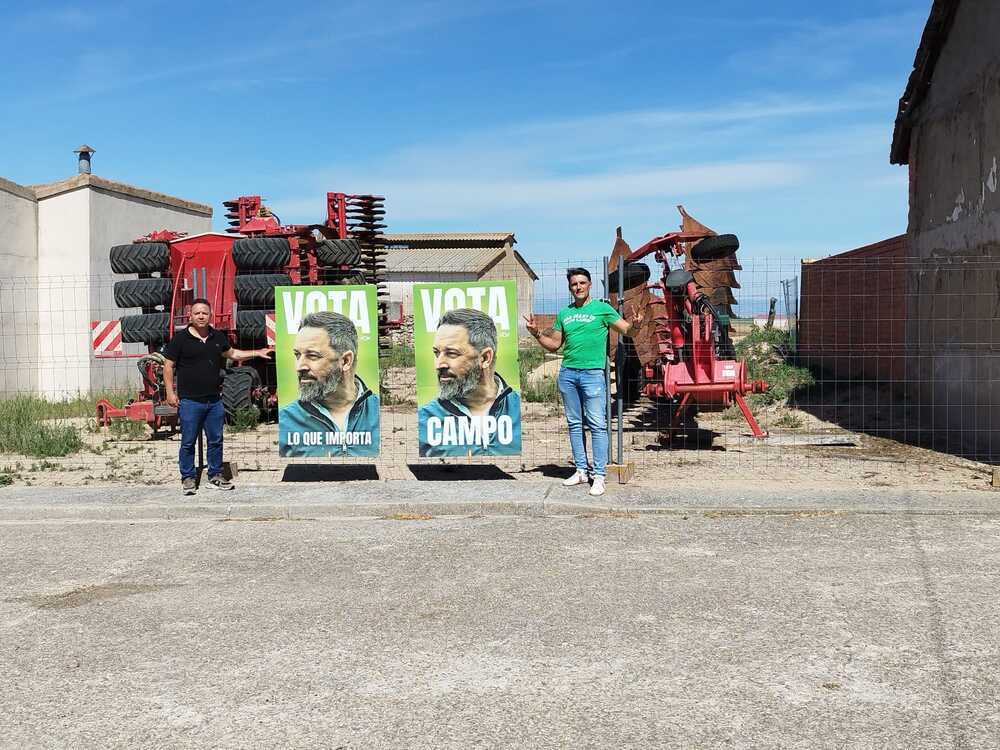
498, 614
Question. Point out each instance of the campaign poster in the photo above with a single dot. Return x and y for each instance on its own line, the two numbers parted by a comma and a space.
326, 354
468, 380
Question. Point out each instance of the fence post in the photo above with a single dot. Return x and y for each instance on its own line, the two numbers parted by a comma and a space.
620, 358
607, 368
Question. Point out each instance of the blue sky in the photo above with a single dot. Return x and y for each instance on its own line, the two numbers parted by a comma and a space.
555, 120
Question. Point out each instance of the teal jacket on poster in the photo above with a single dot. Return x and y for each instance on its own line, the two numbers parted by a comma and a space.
507, 404
300, 421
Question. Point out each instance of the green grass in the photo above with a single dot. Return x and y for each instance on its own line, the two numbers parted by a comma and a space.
26, 428
546, 391
789, 419
6, 479
396, 356
244, 420
127, 429
81, 405
764, 351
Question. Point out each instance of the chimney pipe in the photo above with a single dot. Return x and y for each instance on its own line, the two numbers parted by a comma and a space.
84, 164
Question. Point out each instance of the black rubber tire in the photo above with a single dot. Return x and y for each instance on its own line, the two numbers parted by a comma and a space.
237, 390
631, 375
152, 328
635, 274
338, 252
715, 247
143, 292
258, 290
261, 253
250, 324
140, 257
354, 276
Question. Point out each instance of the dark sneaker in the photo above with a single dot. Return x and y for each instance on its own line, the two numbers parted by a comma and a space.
189, 486
219, 483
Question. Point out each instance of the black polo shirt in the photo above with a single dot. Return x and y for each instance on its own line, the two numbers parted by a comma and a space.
199, 363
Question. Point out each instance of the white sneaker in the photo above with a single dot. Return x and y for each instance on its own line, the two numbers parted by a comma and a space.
598, 487
579, 477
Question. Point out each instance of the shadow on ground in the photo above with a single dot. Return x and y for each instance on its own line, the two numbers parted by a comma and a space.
882, 411
325, 473
446, 472
648, 416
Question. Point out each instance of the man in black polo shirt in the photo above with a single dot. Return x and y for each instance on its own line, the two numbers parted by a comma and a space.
196, 352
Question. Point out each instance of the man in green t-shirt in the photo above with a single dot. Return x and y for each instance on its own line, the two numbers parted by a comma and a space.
581, 328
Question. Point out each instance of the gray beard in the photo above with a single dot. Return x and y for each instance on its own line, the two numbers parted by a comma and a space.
319, 390
458, 388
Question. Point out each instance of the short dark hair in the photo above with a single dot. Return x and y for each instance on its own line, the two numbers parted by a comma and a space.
481, 329
339, 329
571, 272
201, 301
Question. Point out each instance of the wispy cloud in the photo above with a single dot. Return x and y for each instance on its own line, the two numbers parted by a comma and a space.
47, 19
600, 161
453, 196
344, 27
829, 50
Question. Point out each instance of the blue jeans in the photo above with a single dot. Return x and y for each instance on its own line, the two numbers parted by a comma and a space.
195, 416
584, 395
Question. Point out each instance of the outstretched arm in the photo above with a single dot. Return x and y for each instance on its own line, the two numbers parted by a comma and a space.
238, 355
549, 339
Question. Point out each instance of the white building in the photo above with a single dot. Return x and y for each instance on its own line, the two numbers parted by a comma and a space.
55, 276
455, 256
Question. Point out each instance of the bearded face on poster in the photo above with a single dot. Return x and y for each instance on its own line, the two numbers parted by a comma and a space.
476, 411
336, 413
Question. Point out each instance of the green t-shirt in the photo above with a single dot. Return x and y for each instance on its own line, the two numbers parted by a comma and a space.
585, 334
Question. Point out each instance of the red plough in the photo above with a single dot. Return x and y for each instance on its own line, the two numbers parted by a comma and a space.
683, 345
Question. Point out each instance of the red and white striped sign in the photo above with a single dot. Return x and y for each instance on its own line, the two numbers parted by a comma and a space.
106, 338
269, 328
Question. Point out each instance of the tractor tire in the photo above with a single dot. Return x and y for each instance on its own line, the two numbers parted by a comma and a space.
250, 324
140, 257
143, 292
152, 329
237, 391
635, 274
354, 277
338, 253
715, 247
261, 253
631, 374
258, 290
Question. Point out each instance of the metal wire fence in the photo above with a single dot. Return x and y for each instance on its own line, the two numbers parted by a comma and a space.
863, 357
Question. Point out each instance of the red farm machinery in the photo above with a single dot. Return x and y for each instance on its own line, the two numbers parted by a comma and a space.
237, 272
682, 356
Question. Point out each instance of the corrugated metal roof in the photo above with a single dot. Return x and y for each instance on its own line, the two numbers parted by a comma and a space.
441, 259
449, 237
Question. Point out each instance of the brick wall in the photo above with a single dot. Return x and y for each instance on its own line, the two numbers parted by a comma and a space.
852, 313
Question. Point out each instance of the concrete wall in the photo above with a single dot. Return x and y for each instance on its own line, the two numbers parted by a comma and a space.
953, 316
76, 229
64, 294
852, 313
18, 300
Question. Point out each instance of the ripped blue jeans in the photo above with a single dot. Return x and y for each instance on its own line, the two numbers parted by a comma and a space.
584, 398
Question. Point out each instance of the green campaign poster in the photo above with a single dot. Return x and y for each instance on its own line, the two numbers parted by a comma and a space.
468, 380
326, 354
